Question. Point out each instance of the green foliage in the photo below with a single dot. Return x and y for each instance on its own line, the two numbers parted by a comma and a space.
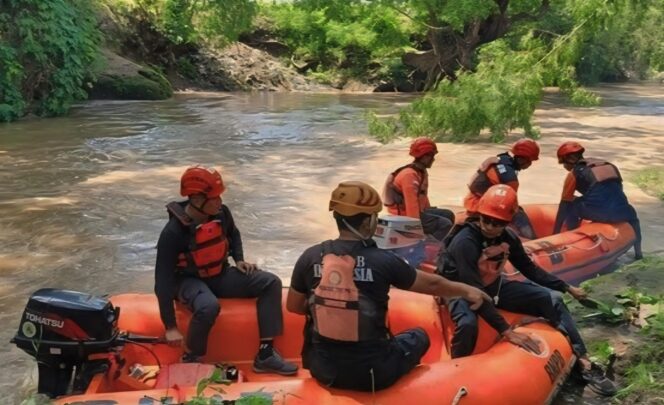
630, 44
645, 374
384, 130
643, 377
584, 98
457, 13
11, 78
47, 50
186, 68
651, 180
630, 305
601, 351
219, 377
501, 95
217, 22
358, 37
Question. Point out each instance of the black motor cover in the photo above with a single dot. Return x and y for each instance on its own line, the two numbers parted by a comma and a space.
66, 323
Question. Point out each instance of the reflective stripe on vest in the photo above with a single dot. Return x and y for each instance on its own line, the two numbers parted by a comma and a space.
504, 165
339, 309
491, 262
589, 172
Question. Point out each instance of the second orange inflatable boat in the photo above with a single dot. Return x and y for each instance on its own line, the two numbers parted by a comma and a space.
574, 255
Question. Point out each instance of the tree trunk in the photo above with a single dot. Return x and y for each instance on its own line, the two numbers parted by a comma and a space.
454, 50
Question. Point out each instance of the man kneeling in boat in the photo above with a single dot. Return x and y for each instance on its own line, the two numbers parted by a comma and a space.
342, 287
476, 256
192, 267
602, 197
503, 169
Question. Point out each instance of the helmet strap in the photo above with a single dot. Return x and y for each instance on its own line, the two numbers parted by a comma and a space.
355, 232
200, 209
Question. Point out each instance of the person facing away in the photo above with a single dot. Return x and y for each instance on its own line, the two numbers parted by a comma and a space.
406, 191
500, 169
477, 254
342, 287
192, 267
602, 197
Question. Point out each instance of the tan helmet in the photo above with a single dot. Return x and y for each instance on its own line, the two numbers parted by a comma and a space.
355, 197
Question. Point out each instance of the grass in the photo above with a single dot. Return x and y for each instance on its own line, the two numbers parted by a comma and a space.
639, 353
644, 375
651, 181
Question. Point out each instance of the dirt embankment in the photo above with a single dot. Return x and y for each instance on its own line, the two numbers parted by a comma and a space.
138, 62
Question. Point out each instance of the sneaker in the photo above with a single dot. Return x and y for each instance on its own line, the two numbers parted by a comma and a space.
598, 382
274, 364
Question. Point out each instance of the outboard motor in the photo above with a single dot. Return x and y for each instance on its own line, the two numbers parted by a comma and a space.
61, 329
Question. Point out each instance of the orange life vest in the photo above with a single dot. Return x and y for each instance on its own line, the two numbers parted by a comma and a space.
392, 196
492, 261
589, 172
339, 309
504, 165
208, 246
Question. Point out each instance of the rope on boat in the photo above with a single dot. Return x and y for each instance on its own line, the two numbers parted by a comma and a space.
463, 391
599, 238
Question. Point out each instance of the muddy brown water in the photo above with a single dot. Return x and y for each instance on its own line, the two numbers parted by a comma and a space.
82, 197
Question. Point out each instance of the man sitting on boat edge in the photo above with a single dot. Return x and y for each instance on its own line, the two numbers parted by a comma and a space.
476, 255
406, 191
192, 266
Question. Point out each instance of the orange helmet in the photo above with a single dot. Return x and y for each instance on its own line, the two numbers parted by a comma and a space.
526, 148
201, 180
500, 202
422, 146
567, 148
355, 197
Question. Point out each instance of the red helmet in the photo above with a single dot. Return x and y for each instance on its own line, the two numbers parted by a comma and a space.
201, 180
567, 148
422, 146
526, 148
500, 202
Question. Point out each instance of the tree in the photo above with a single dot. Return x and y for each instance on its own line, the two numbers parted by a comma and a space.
456, 28
497, 85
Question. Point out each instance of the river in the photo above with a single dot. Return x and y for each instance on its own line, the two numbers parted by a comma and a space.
82, 196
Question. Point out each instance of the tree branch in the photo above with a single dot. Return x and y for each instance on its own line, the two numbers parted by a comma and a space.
398, 10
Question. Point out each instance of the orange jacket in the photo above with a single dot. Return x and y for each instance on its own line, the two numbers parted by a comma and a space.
414, 186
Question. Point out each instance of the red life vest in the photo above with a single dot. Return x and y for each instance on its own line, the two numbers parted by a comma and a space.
492, 261
340, 311
208, 246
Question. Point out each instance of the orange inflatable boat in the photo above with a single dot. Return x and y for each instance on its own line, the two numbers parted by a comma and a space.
105, 366
574, 255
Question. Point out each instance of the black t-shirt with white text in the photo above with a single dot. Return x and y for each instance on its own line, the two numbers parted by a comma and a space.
376, 270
